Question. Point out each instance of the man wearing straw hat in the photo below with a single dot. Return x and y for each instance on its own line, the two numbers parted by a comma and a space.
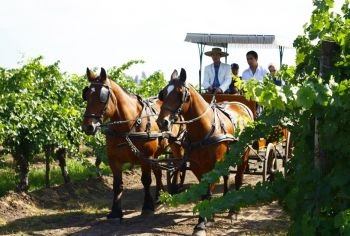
217, 76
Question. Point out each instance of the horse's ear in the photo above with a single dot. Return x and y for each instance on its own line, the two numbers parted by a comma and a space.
103, 74
174, 75
183, 75
90, 74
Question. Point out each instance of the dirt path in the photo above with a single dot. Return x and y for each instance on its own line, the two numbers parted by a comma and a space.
80, 209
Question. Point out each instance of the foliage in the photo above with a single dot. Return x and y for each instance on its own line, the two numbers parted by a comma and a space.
116, 74
39, 106
152, 85
317, 202
324, 25
98, 144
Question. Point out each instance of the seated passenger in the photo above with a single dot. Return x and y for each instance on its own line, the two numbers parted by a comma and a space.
233, 89
254, 70
217, 76
273, 71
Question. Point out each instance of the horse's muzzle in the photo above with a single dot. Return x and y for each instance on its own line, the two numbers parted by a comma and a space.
90, 129
164, 124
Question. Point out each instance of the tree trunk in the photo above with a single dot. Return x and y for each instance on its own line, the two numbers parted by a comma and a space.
22, 163
48, 153
61, 157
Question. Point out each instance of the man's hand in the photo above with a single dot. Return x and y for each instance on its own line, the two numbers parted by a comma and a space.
218, 90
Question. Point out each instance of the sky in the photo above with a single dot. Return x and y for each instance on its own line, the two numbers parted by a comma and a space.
106, 33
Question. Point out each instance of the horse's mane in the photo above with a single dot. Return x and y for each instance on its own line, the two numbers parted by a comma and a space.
124, 90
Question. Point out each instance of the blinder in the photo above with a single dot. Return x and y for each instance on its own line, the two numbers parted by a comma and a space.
185, 95
84, 95
161, 95
104, 94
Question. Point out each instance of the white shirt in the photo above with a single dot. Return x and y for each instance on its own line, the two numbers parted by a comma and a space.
259, 74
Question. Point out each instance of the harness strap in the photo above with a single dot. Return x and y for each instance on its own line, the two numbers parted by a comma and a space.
212, 140
169, 165
148, 110
133, 135
228, 115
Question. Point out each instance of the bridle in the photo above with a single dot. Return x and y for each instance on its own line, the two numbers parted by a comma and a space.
175, 113
105, 93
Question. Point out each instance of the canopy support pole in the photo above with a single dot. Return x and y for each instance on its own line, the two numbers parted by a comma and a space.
201, 47
281, 49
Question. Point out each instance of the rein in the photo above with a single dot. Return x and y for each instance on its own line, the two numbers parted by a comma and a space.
119, 122
212, 103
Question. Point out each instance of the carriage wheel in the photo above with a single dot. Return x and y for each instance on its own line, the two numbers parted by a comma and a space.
270, 162
175, 182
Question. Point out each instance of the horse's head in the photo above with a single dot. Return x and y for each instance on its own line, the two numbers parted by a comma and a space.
97, 97
176, 97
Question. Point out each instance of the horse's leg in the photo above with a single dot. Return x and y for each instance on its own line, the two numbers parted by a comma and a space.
159, 184
116, 211
241, 170
200, 227
177, 181
233, 212
148, 204
226, 183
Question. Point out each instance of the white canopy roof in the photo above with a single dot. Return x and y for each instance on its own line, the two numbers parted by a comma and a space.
234, 40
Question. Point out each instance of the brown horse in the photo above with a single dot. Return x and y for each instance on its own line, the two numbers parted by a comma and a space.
132, 134
210, 128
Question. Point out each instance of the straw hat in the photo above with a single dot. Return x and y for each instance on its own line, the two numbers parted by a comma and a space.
216, 50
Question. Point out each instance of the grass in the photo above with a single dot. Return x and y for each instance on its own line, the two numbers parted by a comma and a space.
7, 180
78, 170
7, 176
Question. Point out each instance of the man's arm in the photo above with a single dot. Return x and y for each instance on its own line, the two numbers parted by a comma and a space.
227, 79
205, 82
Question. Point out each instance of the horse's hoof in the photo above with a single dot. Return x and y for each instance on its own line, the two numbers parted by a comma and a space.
233, 215
158, 207
147, 213
210, 222
199, 232
157, 201
114, 216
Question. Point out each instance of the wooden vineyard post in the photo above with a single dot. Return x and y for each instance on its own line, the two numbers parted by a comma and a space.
329, 51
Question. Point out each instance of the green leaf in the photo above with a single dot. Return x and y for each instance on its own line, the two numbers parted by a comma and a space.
305, 97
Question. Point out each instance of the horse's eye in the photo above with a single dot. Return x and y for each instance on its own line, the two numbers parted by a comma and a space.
84, 95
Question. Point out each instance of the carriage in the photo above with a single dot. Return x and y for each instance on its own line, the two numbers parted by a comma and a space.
265, 158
